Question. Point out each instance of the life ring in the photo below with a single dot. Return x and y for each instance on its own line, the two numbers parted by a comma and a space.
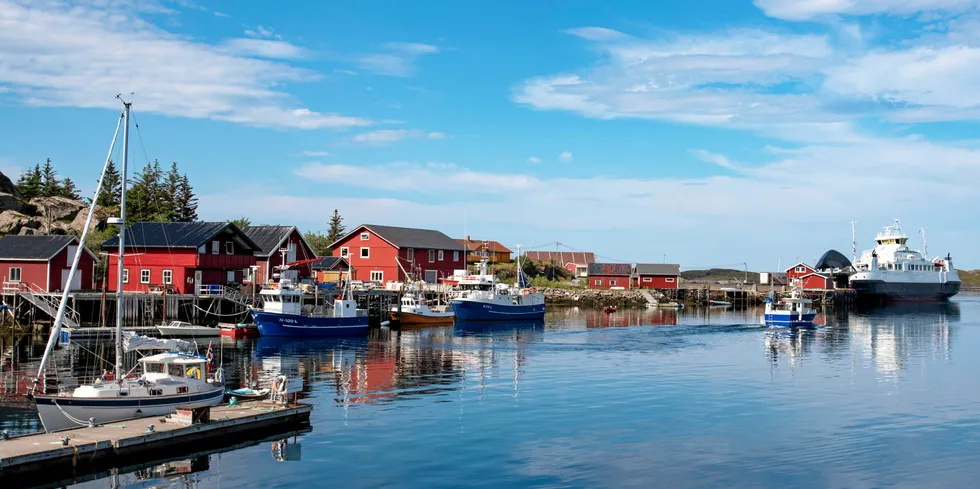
194, 372
219, 375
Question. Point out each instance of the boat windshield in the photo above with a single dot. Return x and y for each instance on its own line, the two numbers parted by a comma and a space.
154, 368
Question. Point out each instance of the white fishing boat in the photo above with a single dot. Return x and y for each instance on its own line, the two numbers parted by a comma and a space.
185, 329
788, 312
413, 310
168, 380
482, 298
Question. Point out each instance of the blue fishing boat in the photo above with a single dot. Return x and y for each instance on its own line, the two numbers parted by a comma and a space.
789, 312
482, 298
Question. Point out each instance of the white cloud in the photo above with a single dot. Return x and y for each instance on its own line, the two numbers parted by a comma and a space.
810, 9
345, 72
387, 136
314, 153
264, 48
262, 32
565, 157
597, 34
716, 159
534, 159
221, 14
399, 59
70, 66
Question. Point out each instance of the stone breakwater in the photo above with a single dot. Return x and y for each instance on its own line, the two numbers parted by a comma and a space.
594, 298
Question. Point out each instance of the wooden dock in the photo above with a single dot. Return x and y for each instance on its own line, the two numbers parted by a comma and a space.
46, 455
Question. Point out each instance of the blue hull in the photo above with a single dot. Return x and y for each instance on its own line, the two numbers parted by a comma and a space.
789, 320
481, 311
272, 324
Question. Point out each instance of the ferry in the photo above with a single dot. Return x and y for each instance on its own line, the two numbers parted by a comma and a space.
481, 298
894, 272
282, 315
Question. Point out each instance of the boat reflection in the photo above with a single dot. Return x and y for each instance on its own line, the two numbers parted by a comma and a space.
464, 328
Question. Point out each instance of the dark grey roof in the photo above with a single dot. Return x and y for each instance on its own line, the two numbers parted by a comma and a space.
267, 237
658, 269
410, 237
623, 269
562, 257
832, 259
33, 247
176, 235
330, 263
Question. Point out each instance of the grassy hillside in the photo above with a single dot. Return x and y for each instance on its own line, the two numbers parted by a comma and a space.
970, 278
723, 275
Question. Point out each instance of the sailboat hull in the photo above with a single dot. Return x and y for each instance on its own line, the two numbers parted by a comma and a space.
56, 412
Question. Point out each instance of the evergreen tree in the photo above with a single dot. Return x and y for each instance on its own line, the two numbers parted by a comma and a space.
242, 222
29, 183
69, 190
186, 201
337, 229
144, 197
50, 186
171, 188
111, 187
319, 242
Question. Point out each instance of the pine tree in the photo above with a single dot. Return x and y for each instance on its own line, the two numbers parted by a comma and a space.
171, 189
29, 183
143, 198
187, 201
242, 222
319, 242
69, 190
337, 229
50, 186
111, 187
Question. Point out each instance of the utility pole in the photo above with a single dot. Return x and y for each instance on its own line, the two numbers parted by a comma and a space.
854, 246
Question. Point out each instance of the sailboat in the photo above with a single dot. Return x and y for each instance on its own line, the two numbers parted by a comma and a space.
168, 380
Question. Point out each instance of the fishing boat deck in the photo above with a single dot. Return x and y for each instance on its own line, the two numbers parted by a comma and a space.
44, 451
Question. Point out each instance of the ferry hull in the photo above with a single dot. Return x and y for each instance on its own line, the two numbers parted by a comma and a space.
274, 324
789, 320
54, 411
408, 319
482, 311
882, 291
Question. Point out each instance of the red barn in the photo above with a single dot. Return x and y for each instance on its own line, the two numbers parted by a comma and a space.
658, 276
817, 281
181, 256
42, 263
798, 271
609, 275
384, 253
271, 241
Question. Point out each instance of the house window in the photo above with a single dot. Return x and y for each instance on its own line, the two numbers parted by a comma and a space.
168, 277
800, 269
432, 256
231, 276
377, 276
215, 247
598, 282
440, 255
230, 248
455, 256
411, 254
15, 274
648, 279
145, 276
365, 252
612, 283
365, 236
125, 275
669, 280
344, 252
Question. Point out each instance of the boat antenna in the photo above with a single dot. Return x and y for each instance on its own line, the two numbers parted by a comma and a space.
925, 244
62, 306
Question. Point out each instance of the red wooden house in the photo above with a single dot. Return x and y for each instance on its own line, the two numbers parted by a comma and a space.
798, 271
271, 241
609, 275
42, 264
817, 281
384, 253
183, 257
657, 276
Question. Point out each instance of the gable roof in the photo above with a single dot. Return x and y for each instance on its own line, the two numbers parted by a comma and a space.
624, 269
270, 238
658, 269
797, 265
477, 245
35, 248
176, 235
562, 257
407, 237
330, 263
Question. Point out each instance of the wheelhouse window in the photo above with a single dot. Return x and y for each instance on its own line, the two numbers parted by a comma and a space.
145, 276
175, 370
155, 368
365, 236
365, 252
15, 274
344, 252
168, 277
230, 248
377, 276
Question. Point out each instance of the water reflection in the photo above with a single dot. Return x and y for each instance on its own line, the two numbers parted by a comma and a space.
892, 336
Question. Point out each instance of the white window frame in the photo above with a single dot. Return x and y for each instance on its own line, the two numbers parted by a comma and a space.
365, 236
20, 274
800, 270
598, 281
365, 255
216, 247
648, 279
229, 247
432, 256
441, 255
230, 276
145, 272
455, 256
167, 277
344, 252
411, 254
669, 280
125, 275
377, 276
612, 283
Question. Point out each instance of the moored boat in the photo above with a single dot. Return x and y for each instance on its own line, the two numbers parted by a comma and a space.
239, 330
185, 329
415, 311
482, 298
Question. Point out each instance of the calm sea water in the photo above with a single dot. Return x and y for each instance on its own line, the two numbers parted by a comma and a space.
880, 398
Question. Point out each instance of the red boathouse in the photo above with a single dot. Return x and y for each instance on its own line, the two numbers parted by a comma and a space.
609, 275
657, 276
42, 263
384, 253
183, 257
271, 241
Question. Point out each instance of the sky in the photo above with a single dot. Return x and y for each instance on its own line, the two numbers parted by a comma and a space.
722, 133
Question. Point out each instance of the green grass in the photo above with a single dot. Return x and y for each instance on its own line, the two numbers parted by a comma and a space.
970, 277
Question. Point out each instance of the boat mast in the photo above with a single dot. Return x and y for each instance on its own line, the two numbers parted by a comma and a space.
854, 245
122, 243
925, 244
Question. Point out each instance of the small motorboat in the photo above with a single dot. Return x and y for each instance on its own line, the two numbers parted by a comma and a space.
183, 328
416, 312
239, 330
610, 309
246, 393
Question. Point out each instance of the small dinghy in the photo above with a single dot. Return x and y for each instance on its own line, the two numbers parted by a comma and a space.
610, 309
185, 329
246, 393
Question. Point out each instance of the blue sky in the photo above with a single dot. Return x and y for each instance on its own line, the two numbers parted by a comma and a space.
715, 134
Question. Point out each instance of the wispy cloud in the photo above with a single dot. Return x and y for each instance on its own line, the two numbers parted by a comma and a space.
716, 159
534, 159
261, 32
398, 59
264, 48
565, 157
388, 136
344, 72
314, 153
221, 14
810, 9
69, 66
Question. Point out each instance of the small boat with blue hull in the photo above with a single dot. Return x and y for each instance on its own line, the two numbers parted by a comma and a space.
789, 312
481, 298
282, 314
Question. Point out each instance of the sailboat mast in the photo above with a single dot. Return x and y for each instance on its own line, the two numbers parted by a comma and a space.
120, 369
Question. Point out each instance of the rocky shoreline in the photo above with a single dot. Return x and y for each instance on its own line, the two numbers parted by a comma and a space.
594, 298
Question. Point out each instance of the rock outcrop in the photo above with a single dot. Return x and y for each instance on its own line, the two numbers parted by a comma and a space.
57, 208
12, 221
42, 215
595, 298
